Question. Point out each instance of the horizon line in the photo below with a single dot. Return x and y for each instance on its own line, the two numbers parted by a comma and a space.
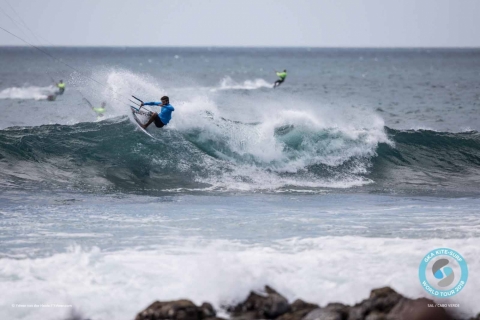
240, 47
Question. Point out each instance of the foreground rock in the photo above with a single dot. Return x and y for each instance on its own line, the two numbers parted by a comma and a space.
177, 310
383, 304
268, 306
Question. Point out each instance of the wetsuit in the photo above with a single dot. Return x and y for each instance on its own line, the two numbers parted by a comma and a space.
164, 116
282, 76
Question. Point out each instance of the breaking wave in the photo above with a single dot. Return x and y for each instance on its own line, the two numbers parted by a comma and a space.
232, 155
270, 144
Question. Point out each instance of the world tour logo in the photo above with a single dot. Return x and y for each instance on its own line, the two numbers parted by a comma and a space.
443, 272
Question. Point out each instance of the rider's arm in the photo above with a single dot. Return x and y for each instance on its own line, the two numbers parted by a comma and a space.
153, 103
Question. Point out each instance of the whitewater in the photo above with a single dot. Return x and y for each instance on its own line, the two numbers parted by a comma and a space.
335, 183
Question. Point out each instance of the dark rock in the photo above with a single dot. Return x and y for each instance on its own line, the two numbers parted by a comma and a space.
375, 315
383, 299
407, 309
176, 310
380, 302
258, 306
323, 314
332, 311
339, 308
383, 304
207, 310
299, 304
297, 315
270, 290
275, 304
476, 318
252, 302
298, 310
248, 315
381, 292
356, 312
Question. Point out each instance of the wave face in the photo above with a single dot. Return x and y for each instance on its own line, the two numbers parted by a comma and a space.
429, 160
95, 156
215, 153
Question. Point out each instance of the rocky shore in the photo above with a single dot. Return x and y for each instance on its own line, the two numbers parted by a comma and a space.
382, 304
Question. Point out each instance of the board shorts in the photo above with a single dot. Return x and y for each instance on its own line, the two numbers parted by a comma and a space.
158, 122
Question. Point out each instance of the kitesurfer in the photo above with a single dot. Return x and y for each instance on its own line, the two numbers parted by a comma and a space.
165, 115
282, 76
61, 87
100, 111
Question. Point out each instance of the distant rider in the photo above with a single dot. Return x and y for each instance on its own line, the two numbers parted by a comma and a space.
61, 87
165, 115
282, 76
100, 111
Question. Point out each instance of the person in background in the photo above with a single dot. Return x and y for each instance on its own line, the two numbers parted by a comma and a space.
282, 76
61, 87
100, 111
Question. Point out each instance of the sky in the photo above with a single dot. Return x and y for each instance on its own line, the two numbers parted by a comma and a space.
269, 23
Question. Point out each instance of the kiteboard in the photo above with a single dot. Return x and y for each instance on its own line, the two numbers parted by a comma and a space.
135, 113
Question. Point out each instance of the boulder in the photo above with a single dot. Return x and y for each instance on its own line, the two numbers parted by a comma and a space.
382, 304
323, 314
339, 308
299, 304
207, 310
375, 315
259, 306
177, 310
298, 310
407, 309
379, 304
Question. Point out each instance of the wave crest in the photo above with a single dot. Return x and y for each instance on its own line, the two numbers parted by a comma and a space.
27, 93
228, 83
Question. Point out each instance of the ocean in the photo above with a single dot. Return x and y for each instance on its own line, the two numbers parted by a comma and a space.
339, 181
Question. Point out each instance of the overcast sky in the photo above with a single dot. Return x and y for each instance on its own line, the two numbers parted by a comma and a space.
311, 23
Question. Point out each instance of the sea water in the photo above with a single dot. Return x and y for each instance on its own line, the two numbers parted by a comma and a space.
339, 181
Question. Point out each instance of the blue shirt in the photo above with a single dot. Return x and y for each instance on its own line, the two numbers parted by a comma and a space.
165, 114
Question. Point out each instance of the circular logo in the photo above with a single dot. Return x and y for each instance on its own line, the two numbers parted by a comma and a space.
443, 272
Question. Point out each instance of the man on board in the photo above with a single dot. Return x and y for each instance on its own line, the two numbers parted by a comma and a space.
61, 87
165, 115
282, 76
